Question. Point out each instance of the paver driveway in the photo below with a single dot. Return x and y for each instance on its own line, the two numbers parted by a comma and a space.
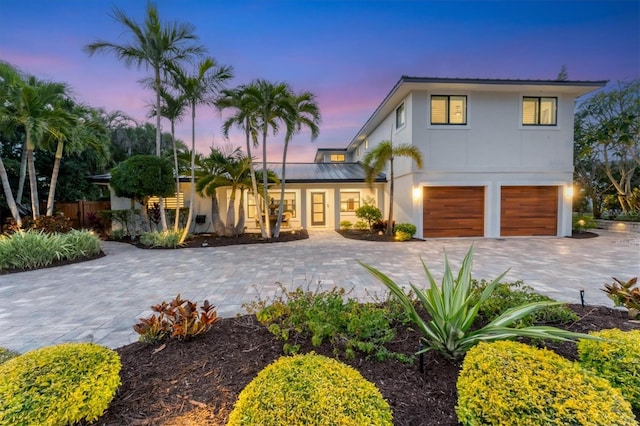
100, 300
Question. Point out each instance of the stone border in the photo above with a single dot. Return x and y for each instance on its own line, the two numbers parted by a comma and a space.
618, 225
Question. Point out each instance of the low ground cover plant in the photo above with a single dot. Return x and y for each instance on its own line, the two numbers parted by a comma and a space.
310, 389
168, 238
58, 385
453, 308
346, 224
179, 318
510, 383
315, 315
616, 359
508, 295
7, 354
36, 249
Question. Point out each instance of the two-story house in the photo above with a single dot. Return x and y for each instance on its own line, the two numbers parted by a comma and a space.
498, 162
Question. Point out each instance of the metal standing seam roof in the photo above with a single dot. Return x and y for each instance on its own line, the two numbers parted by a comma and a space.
300, 173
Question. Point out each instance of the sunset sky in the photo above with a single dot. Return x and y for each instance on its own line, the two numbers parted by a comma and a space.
349, 53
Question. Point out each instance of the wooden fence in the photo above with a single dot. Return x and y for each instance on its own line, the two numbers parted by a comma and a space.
81, 213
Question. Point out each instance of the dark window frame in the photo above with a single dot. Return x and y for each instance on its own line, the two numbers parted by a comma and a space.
448, 110
401, 108
538, 100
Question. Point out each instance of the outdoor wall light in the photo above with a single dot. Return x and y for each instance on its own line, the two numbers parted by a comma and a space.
417, 192
568, 191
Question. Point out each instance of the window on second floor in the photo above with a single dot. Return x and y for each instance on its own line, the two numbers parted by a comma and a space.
448, 109
337, 158
539, 111
400, 116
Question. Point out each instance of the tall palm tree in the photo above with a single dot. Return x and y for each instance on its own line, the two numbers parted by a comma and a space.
305, 113
155, 45
199, 89
273, 108
173, 108
376, 160
245, 119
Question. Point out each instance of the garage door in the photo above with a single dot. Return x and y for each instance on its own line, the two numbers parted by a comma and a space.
528, 210
453, 211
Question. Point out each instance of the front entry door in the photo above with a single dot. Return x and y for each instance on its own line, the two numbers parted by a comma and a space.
317, 209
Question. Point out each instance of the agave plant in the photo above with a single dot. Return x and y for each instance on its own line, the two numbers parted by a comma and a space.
453, 310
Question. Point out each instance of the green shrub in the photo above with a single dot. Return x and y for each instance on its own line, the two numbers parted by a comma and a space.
402, 236
510, 383
36, 249
168, 238
369, 214
58, 385
511, 295
361, 225
48, 224
625, 293
345, 224
453, 309
313, 390
319, 316
178, 318
7, 354
407, 228
117, 234
616, 359
581, 223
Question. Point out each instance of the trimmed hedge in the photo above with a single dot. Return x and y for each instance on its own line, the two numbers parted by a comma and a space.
510, 383
58, 385
616, 359
310, 389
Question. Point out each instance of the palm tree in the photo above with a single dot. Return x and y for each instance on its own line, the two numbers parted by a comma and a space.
199, 89
173, 108
376, 160
210, 170
273, 108
245, 119
156, 46
305, 113
84, 130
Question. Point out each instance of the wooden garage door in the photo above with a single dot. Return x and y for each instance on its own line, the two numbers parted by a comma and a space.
453, 211
528, 210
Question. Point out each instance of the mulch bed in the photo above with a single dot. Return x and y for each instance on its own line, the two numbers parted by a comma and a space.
366, 235
197, 382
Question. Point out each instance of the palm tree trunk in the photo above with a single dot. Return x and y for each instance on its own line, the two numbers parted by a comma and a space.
389, 230
33, 183
192, 191
9, 195
276, 234
175, 165
240, 225
163, 216
218, 224
230, 229
54, 178
23, 173
254, 184
265, 179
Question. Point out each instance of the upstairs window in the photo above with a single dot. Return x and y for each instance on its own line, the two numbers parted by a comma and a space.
539, 111
400, 116
448, 109
337, 158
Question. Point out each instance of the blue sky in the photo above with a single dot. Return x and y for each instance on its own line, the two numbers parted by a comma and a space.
349, 53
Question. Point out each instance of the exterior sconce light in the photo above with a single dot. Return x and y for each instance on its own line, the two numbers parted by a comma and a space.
417, 193
568, 191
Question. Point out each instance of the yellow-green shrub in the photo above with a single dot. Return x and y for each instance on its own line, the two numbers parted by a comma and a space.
58, 385
616, 359
7, 354
510, 383
310, 389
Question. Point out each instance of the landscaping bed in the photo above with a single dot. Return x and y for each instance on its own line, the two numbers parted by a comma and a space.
197, 382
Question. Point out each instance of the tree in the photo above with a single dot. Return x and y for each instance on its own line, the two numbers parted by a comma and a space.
141, 177
155, 45
608, 128
245, 118
376, 160
8, 79
199, 89
273, 107
305, 113
563, 75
